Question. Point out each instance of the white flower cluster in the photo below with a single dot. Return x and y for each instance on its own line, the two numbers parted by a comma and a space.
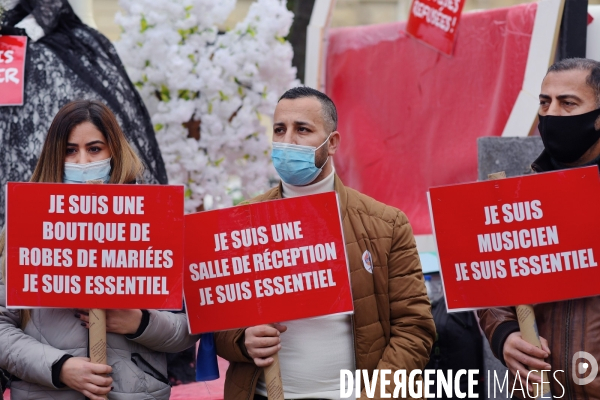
185, 69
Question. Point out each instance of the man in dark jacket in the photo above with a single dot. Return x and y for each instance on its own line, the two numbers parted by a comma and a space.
392, 327
569, 125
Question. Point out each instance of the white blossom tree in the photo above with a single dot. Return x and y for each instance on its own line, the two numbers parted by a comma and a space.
206, 90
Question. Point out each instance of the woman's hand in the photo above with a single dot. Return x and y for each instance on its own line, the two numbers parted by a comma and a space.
124, 322
88, 378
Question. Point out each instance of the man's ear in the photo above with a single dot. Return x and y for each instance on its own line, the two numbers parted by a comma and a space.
334, 142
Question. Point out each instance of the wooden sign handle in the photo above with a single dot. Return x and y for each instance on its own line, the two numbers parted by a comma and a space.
529, 333
527, 324
273, 380
98, 336
97, 330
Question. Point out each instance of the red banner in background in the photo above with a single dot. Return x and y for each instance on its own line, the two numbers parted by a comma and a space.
525, 240
265, 262
409, 118
94, 246
435, 22
12, 69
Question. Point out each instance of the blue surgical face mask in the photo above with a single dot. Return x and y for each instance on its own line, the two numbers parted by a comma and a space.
295, 164
82, 173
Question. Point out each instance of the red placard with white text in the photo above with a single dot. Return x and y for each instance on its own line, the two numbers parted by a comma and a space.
435, 22
12, 69
525, 240
265, 262
94, 246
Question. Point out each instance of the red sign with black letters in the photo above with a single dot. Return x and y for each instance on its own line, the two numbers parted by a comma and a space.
266, 262
12, 69
525, 240
94, 246
434, 22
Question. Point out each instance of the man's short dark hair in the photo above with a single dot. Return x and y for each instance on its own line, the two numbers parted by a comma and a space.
582, 64
327, 107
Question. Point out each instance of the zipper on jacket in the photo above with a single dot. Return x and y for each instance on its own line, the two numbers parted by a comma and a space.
254, 376
353, 337
356, 395
568, 389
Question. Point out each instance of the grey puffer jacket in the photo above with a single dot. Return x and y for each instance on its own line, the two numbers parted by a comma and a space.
139, 365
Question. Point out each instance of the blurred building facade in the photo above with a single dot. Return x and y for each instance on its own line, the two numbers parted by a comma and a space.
346, 12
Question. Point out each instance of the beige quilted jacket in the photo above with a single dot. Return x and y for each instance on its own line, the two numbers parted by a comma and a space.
139, 365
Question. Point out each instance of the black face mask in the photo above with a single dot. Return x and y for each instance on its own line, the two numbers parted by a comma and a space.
568, 138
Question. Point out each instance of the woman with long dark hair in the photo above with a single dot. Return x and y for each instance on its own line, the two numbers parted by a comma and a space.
45, 350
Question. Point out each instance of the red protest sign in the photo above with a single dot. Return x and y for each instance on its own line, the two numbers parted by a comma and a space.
12, 69
434, 22
526, 240
266, 262
94, 246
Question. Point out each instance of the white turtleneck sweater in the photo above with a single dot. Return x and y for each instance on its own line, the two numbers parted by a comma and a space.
314, 350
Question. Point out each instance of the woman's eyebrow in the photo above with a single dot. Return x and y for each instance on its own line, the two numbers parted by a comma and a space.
94, 142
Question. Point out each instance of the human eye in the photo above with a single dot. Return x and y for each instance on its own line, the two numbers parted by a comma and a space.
71, 150
545, 102
95, 149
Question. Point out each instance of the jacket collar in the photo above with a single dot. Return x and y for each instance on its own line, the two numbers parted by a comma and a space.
543, 163
339, 188
342, 192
